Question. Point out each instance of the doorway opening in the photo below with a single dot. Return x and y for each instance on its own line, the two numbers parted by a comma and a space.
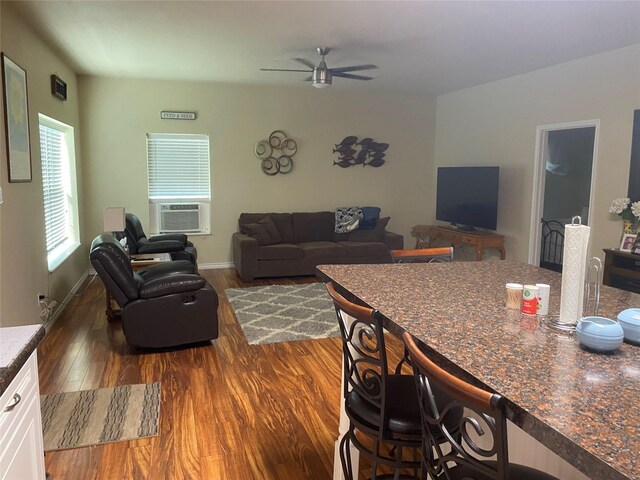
563, 187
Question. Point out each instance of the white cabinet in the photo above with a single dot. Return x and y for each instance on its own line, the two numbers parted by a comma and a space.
21, 444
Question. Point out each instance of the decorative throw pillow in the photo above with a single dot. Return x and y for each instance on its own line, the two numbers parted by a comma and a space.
272, 230
259, 232
370, 216
347, 219
374, 235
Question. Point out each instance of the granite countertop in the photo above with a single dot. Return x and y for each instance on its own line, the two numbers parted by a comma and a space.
16, 346
584, 406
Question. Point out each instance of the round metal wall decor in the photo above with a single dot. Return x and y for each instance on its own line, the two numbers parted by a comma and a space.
275, 153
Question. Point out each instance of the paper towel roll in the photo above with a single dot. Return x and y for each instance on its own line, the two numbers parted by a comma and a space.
574, 264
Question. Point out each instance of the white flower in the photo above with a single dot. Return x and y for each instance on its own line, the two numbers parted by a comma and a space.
635, 208
619, 205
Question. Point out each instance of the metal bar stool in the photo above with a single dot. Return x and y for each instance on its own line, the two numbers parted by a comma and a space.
423, 255
380, 405
472, 454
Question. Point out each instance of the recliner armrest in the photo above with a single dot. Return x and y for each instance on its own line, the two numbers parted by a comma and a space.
180, 237
176, 283
160, 246
163, 269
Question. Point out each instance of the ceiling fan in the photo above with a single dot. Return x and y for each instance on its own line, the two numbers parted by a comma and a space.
321, 76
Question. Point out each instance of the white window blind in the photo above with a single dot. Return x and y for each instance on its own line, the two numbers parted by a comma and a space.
178, 166
55, 182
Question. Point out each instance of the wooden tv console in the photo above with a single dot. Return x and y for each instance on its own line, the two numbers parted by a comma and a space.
478, 239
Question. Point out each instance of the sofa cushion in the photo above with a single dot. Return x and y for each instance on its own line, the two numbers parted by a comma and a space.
282, 222
271, 229
280, 251
365, 249
370, 215
313, 227
347, 219
259, 232
374, 235
322, 250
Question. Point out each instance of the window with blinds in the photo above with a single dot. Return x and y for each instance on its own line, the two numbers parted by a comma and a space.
59, 192
178, 167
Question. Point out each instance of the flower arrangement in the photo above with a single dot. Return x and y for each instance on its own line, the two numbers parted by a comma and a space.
625, 209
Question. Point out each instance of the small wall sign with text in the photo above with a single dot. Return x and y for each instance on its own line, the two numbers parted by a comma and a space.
178, 115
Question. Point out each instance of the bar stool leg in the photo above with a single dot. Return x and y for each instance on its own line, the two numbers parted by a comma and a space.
343, 430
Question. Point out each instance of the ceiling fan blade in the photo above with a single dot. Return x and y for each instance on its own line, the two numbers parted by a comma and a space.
305, 62
354, 68
282, 70
350, 75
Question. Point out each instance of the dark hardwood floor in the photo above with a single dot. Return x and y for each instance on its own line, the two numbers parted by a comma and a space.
229, 410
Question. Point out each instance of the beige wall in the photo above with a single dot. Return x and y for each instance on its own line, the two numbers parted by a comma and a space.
22, 246
117, 113
495, 124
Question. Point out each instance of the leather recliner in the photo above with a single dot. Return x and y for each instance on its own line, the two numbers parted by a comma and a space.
165, 305
175, 244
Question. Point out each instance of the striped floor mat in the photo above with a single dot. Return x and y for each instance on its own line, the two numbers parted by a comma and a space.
104, 415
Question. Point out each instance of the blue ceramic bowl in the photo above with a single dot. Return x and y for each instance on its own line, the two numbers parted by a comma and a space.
599, 333
630, 322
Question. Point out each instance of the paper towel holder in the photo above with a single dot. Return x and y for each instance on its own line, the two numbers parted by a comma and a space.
592, 282
594, 271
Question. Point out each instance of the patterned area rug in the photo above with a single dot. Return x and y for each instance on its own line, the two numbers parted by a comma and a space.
282, 313
104, 415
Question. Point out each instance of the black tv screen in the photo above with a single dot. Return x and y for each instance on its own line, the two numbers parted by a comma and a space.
468, 196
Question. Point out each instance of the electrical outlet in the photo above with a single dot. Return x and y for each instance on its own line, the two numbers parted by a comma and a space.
42, 300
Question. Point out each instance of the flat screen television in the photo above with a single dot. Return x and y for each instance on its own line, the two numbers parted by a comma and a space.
468, 197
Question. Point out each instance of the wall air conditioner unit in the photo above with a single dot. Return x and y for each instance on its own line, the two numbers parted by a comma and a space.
181, 217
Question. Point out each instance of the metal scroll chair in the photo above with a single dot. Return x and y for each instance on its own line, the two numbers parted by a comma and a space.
552, 245
380, 405
472, 455
423, 255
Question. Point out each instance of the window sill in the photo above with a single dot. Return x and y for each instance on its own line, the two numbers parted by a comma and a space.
60, 254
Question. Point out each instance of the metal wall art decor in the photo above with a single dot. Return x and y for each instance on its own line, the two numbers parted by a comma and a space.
276, 153
366, 152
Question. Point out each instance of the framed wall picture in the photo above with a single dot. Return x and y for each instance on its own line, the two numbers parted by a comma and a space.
636, 245
628, 239
16, 120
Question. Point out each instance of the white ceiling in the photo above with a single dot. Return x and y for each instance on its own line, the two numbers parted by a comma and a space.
423, 47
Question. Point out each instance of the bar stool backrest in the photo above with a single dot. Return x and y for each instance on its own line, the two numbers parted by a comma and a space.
363, 348
483, 422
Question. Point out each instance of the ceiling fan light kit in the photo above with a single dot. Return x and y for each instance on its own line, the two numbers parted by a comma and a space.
321, 78
321, 75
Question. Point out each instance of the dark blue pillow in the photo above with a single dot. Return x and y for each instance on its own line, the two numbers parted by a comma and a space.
371, 216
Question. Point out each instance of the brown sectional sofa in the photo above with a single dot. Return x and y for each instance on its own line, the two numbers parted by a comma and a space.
305, 241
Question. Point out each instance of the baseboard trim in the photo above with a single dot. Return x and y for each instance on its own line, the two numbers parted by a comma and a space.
63, 305
213, 266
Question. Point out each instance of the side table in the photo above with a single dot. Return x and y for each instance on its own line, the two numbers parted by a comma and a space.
622, 270
478, 239
422, 233
138, 261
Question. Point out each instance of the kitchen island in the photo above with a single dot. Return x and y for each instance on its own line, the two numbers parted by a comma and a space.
583, 406
21, 443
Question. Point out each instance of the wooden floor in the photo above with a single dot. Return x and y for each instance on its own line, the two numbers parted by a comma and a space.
228, 411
